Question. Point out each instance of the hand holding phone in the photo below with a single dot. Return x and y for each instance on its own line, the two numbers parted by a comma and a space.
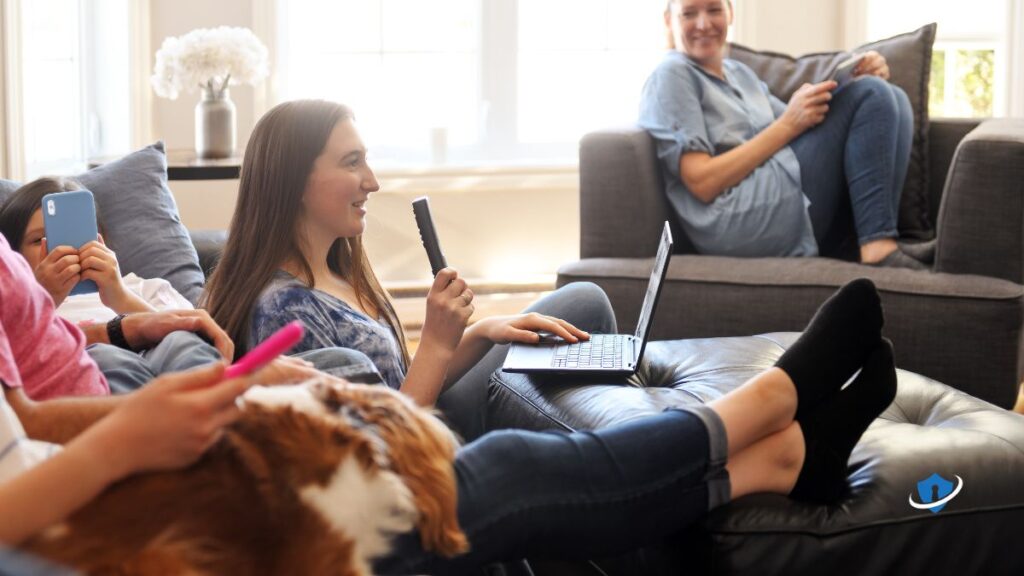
70, 220
428, 234
843, 73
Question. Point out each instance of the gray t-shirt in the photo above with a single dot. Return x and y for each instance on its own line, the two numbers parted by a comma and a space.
685, 109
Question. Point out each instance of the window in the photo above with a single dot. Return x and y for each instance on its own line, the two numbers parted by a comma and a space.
73, 77
472, 81
969, 60
51, 85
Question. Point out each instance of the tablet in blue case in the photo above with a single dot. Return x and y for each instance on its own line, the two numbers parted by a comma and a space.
70, 220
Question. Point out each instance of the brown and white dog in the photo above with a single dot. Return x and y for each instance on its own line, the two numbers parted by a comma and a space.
313, 479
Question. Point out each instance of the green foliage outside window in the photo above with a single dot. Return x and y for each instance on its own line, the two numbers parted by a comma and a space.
973, 77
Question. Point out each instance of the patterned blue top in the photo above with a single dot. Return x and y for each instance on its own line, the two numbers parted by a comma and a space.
330, 322
685, 109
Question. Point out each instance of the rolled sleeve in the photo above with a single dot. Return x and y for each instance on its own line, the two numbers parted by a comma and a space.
670, 111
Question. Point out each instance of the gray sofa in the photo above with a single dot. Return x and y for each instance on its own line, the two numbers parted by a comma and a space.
959, 323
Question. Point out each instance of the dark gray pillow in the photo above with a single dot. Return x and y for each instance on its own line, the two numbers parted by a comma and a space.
910, 60
141, 219
6, 187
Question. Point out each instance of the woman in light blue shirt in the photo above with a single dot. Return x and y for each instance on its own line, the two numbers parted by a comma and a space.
751, 176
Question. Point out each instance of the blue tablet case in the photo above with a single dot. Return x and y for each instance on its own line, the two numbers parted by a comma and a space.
70, 220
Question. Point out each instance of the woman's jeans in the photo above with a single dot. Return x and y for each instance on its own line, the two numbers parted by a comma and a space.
127, 371
861, 152
580, 495
581, 304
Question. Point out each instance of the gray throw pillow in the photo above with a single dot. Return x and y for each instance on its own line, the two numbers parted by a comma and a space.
910, 58
6, 187
141, 219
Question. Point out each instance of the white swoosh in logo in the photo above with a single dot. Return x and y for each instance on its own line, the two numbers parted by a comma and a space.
937, 503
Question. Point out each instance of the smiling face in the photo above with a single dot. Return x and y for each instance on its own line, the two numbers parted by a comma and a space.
700, 28
33, 239
334, 202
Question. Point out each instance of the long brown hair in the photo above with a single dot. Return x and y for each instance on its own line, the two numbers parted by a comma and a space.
278, 161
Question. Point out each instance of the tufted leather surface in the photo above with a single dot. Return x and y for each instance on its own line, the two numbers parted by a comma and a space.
929, 428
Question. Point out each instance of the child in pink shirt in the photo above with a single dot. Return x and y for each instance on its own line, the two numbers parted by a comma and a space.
50, 350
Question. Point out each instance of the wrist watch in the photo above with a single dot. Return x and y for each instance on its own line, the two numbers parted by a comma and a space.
116, 334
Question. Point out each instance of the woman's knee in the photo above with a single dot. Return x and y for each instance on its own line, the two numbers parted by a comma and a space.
877, 91
906, 111
345, 363
592, 304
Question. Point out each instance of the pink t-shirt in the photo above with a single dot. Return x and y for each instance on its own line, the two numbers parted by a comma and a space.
48, 352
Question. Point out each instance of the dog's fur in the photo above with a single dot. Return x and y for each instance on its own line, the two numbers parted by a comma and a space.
313, 479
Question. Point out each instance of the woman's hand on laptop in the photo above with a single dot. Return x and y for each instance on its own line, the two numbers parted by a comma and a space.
524, 327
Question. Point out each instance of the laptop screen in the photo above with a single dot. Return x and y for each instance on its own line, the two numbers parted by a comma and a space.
654, 286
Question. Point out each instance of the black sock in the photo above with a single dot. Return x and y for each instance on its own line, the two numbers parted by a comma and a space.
833, 346
831, 431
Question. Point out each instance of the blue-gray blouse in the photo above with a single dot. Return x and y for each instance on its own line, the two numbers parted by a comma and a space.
686, 109
330, 322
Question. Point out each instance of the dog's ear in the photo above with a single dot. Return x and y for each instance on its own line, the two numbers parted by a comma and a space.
424, 461
422, 452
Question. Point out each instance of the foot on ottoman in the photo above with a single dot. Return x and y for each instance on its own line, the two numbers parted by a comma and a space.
833, 429
833, 347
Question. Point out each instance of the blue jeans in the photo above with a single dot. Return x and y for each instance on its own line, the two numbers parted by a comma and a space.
464, 404
127, 371
14, 563
580, 495
861, 153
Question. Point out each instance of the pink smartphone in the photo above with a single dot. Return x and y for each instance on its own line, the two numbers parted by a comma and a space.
282, 341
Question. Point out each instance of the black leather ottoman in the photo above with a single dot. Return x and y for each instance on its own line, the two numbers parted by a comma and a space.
929, 429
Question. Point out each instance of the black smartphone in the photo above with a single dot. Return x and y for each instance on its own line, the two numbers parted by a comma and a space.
428, 234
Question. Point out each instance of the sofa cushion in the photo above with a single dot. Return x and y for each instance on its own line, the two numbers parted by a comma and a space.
141, 219
929, 429
209, 245
910, 58
6, 187
960, 329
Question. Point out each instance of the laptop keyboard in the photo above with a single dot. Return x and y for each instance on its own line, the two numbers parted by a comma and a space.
601, 351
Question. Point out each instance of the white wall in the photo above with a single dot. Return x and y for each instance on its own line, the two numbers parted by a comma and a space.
791, 26
504, 228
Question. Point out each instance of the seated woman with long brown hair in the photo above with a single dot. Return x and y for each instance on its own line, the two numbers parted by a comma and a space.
296, 252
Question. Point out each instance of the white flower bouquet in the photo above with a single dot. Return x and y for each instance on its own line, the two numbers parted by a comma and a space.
210, 59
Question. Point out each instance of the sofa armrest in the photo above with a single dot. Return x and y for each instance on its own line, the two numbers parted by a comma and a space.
980, 229
622, 198
209, 245
944, 135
